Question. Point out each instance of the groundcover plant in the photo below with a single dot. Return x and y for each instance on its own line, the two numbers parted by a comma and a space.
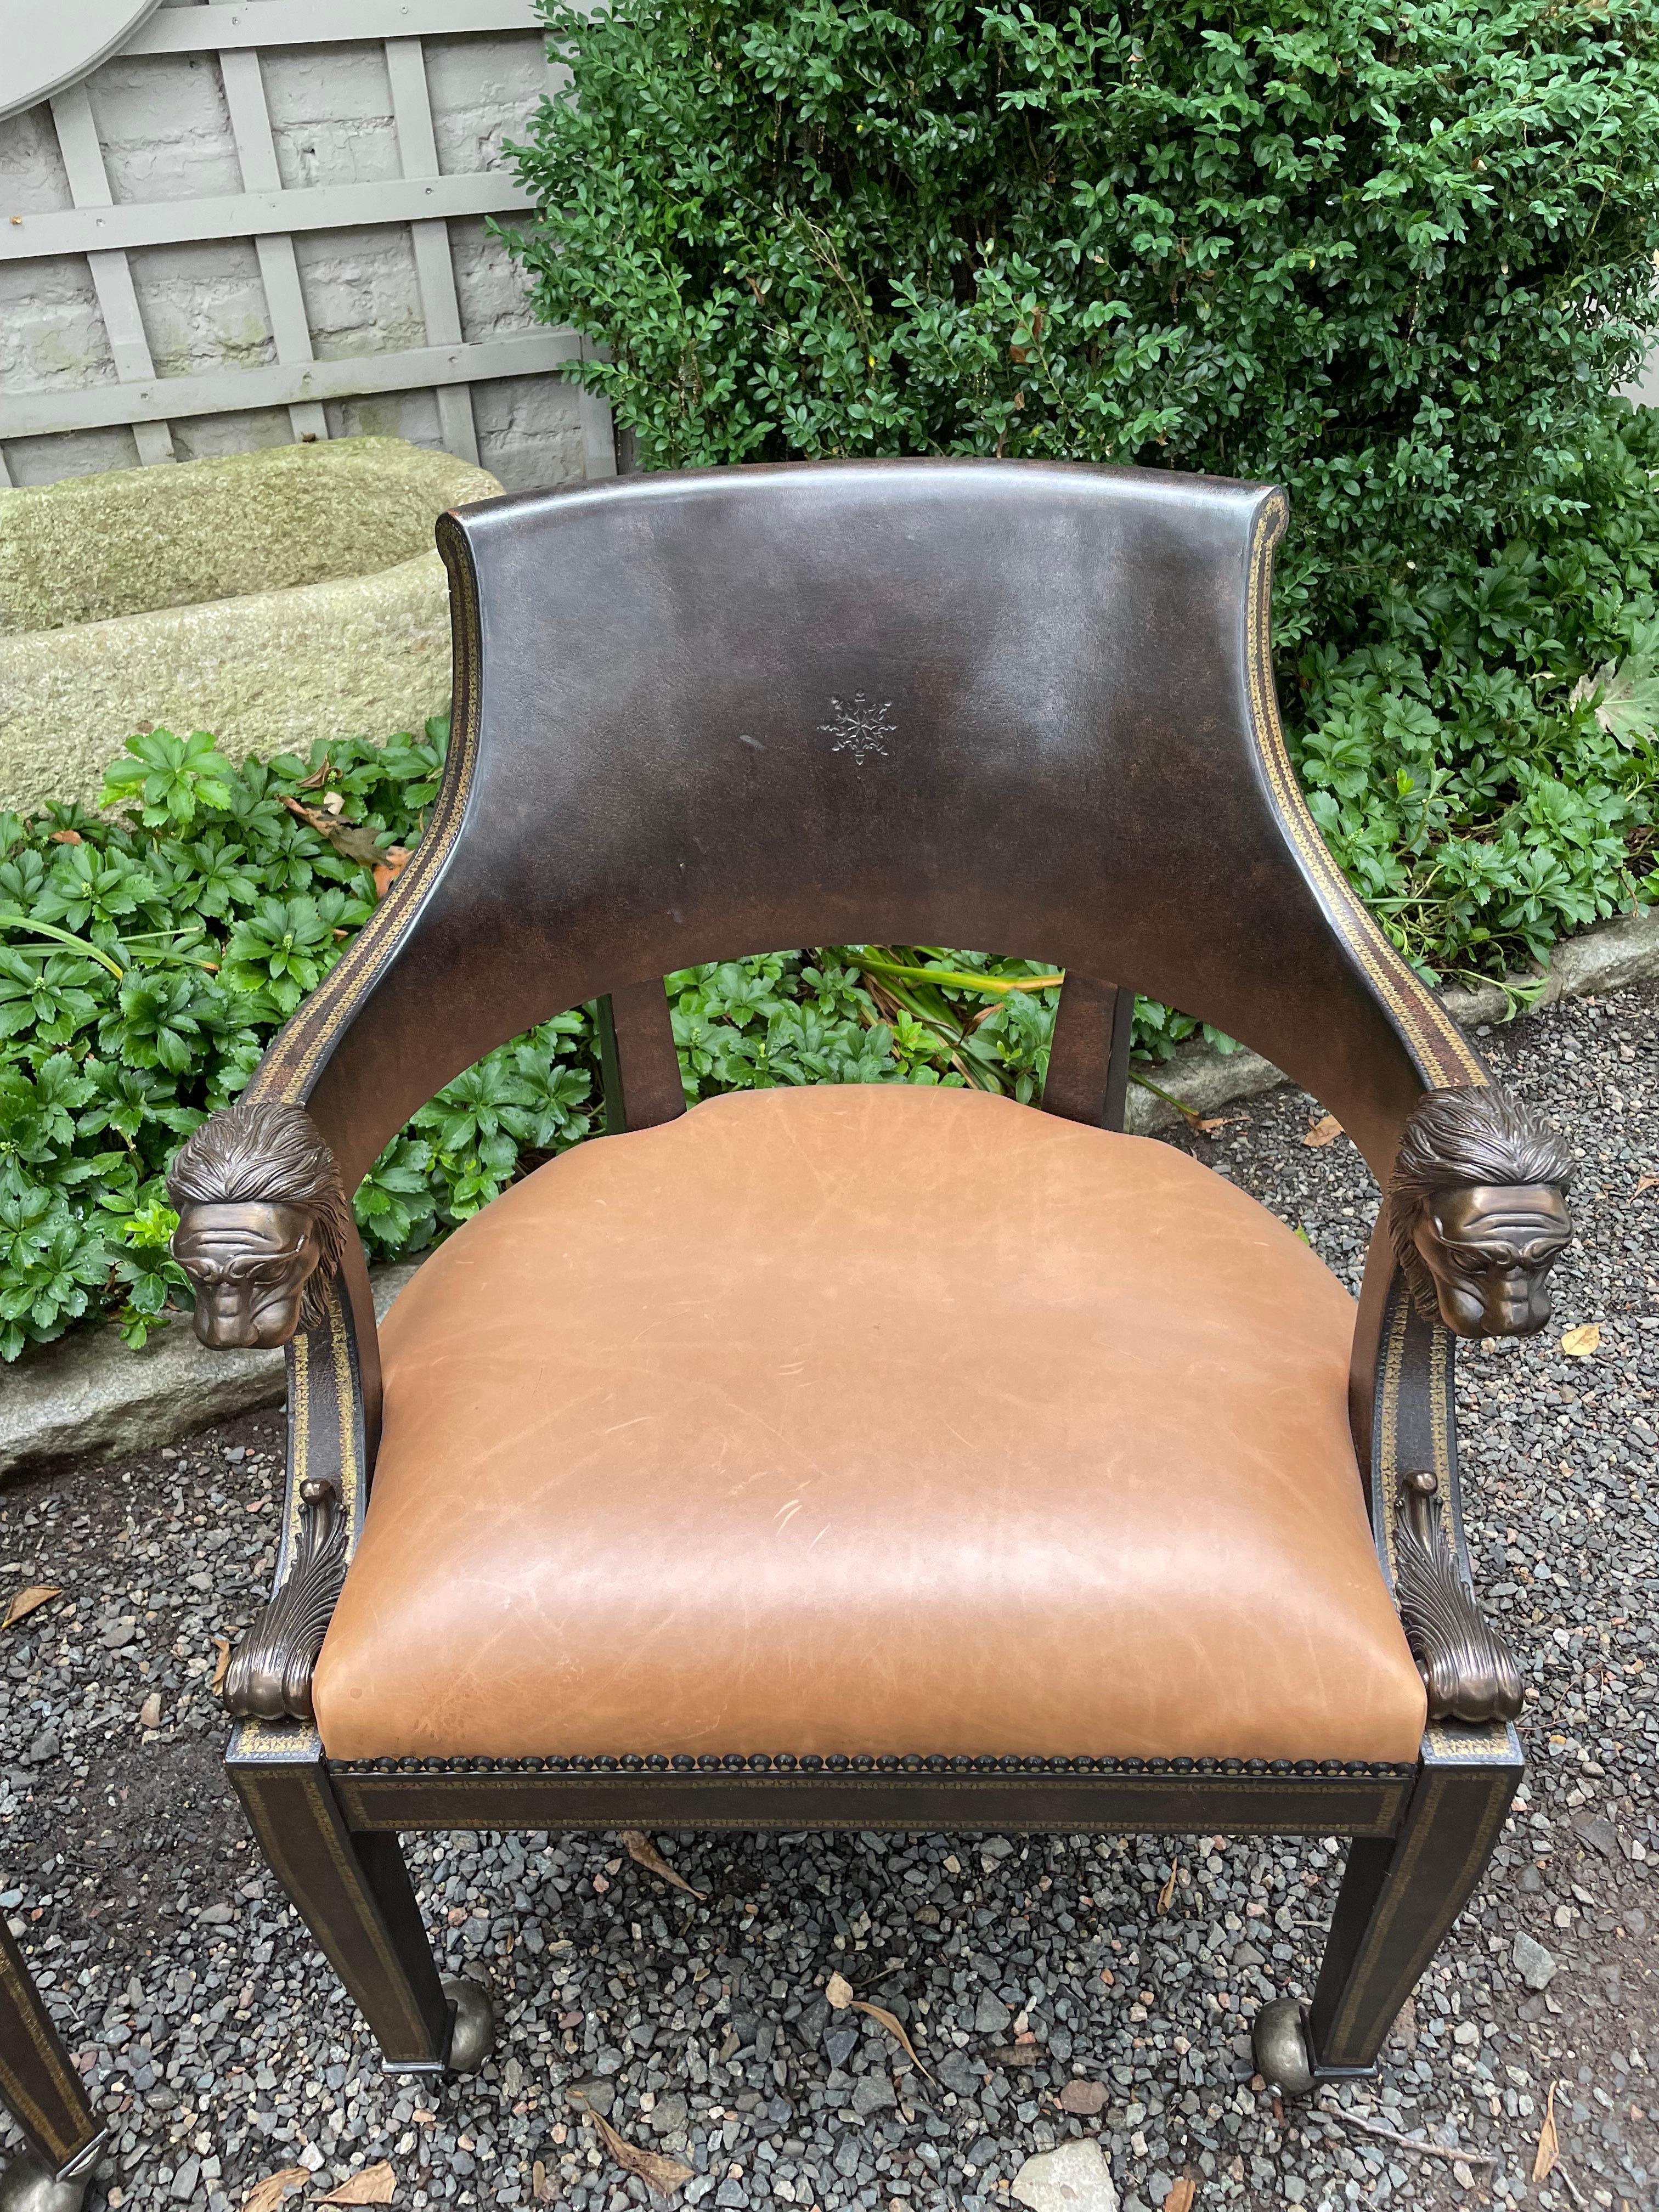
1396, 258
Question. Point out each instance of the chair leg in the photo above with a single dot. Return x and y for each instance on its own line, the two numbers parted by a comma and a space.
1400, 1896
44, 2093
353, 1891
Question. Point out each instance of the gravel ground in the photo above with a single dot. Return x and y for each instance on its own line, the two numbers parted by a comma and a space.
1043, 1985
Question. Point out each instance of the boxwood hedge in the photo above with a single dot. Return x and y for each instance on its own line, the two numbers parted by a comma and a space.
1394, 254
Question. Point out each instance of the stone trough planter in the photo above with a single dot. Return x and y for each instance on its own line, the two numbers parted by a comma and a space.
272, 598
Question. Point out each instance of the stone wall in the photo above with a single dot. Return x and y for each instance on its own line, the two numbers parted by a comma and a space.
165, 131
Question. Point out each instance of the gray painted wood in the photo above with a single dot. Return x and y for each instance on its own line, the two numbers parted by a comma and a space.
46, 49
218, 27
226, 391
279, 268
112, 274
434, 268
247, 214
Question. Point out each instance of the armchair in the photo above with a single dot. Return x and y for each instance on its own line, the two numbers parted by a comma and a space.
887, 1456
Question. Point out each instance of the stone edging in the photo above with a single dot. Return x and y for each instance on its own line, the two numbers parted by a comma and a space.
86, 1393
1606, 958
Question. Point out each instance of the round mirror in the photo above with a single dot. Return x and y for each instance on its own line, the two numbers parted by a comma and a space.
44, 49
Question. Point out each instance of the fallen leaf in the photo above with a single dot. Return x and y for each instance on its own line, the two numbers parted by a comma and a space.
351, 838
222, 1646
1166, 1895
1579, 1343
538, 2188
149, 1713
389, 867
376, 2185
1323, 1131
27, 1602
1549, 2143
1645, 1183
1628, 700
1181, 2196
662, 2174
838, 1995
67, 837
883, 2018
644, 1852
265, 2196
1018, 2054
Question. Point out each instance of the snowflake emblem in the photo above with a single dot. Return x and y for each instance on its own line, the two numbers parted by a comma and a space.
859, 727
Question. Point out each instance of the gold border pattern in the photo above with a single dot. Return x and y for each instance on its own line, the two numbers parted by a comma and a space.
1496, 1742
1443, 1056
27, 2008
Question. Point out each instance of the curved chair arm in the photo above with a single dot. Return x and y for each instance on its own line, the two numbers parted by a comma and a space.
1474, 1218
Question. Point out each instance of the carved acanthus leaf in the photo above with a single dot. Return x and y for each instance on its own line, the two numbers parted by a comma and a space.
268, 1677
1468, 1670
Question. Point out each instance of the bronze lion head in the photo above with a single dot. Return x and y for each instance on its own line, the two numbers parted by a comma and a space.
262, 1223
1477, 1211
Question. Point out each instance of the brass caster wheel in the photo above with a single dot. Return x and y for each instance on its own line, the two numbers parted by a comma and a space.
29, 2184
473, 2036
1280, 2041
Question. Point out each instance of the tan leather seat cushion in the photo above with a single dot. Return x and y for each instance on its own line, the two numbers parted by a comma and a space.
869, 1420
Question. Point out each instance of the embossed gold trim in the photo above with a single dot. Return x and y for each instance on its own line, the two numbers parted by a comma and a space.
271, 1832
1397, 1891
1443, 1056
28, 2009
280, 1740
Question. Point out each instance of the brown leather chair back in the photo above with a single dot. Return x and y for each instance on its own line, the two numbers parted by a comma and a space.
1012, 706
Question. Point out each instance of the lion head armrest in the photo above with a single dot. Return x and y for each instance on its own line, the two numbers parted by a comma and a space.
1477, 1214
264, 1222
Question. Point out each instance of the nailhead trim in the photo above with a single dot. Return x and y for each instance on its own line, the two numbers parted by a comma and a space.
811, 1762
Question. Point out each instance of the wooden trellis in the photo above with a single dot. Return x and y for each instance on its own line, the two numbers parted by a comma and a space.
237, 31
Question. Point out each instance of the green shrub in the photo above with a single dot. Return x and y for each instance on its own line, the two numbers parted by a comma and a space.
1396, 259
146, 959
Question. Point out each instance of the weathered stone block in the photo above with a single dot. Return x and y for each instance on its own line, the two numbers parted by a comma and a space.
87, 1393
363, 656
91, 549
98, 637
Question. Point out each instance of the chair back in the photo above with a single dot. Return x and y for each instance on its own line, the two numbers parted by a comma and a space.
1018, 707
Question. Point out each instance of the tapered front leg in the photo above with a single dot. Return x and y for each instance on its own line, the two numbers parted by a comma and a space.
1400, 1897
353, 1891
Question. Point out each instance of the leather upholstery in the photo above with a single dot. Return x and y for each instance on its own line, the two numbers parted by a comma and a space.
869, 1420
